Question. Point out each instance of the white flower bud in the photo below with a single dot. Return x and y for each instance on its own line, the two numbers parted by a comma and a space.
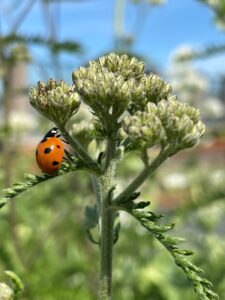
6, 293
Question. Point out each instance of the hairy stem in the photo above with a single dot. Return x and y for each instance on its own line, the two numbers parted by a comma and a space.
110, 151
106, 232
140, 179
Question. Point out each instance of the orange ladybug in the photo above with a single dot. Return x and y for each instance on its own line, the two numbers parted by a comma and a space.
50, 152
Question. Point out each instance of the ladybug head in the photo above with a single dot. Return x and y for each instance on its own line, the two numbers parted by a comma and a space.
52, 132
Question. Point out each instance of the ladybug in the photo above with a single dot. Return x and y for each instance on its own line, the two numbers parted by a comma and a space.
50, 152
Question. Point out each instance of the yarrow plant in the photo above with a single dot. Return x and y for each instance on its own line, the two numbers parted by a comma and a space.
131, 111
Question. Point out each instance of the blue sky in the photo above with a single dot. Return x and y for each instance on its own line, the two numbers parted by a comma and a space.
168, 26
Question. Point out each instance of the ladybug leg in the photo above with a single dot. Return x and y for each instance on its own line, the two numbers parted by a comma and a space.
59, 136
65, 141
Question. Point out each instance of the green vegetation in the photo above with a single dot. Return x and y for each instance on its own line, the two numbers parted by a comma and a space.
131, 113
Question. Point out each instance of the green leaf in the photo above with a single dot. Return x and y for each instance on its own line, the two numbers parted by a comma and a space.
201, 285
56, 47
91, 216
91, 222
18, 286
30, 181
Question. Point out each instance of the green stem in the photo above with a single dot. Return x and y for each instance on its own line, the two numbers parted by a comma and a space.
93, 165
96, 188
110, 151
106, 183
118, 22
140, 179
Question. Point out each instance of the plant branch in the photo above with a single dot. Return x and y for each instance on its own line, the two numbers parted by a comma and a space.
207, 52
145, 173
30, 181
106, 184
81, 152
110, 151
56, 47
202, 286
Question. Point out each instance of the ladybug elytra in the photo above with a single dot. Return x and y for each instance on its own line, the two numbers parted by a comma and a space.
49, 152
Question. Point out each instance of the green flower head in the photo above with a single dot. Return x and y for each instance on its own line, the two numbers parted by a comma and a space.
106, 85
181, 122
143, 129
150, 89
55, 100
115, 84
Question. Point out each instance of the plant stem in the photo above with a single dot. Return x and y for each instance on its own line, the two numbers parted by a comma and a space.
139, 180
110, 151
81, 151
106, 182
118, 23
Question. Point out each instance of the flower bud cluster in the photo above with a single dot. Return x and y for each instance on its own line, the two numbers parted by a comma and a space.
143, 128
167, 123
114, 84
122, 97
128, 68
106, 85
55, 100
107, 93
151, 88
181, 122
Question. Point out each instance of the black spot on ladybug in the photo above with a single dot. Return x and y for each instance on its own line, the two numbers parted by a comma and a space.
47, 150
55, 163
36, 153
58, 146
44, 140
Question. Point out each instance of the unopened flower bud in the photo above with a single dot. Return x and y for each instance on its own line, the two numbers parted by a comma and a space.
181, 122
143, 129
55, 100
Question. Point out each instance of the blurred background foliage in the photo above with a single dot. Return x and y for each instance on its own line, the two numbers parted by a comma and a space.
42, 233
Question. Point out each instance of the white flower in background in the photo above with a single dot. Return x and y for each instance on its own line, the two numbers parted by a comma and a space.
217, 177
214, 3
192, 86
189, 84
175, 181
214, 107
181, 51
186, 77
6, 293
22, 121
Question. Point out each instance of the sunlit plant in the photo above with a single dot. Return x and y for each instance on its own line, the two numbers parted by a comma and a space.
131, 111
